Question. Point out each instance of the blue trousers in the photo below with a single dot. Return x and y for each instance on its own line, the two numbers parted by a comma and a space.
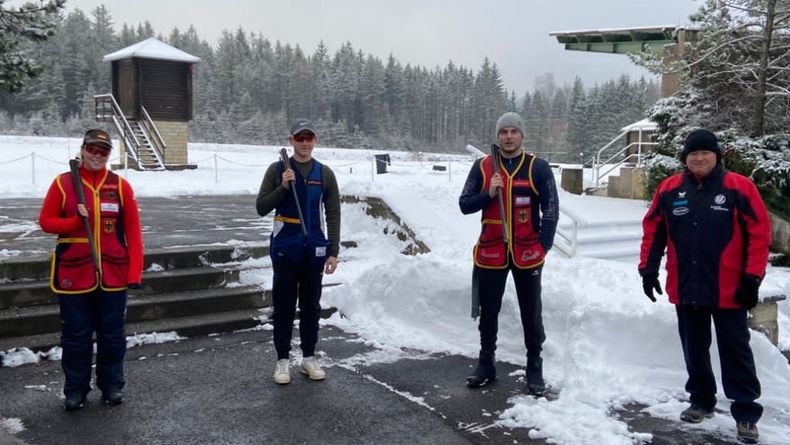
302, 282
80, 316
739, 377
528, 287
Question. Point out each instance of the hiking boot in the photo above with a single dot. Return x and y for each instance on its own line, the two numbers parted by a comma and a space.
747, 432
112, 397
311, 369
485, 372
695, 414
536, 386
74, 402
282, 372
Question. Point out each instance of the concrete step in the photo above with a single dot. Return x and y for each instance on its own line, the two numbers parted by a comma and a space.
37, 293
43, 319
37, 268
185, 326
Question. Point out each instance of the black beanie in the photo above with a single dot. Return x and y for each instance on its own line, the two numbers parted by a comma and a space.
700, 140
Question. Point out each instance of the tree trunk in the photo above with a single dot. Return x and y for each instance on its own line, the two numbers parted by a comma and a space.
758, 126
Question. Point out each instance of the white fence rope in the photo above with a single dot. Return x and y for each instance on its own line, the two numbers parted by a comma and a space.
215, 162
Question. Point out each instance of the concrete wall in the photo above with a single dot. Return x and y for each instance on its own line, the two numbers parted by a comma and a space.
572, 180
780, 236
629, 184
176, 136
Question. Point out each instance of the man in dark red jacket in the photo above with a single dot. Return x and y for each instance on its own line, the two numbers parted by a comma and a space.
716, 231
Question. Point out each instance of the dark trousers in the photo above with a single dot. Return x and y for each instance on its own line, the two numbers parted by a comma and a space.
80, 316
302, 282
492, 288
739, 377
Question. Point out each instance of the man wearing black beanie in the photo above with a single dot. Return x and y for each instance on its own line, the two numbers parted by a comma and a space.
717, 231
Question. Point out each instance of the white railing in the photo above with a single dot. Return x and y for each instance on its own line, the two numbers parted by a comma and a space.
567, 239
603, 168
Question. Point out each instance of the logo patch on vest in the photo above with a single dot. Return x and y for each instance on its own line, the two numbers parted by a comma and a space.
522, 216
108, 225
529, 255
66, 283
680, 211
313, 182
320, 251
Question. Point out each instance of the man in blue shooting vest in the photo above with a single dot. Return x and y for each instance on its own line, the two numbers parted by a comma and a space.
301, 252
531, 210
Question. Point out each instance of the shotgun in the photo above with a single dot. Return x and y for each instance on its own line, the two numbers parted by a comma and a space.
284, 157
77, 183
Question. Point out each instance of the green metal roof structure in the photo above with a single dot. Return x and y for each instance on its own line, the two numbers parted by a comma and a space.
619, 41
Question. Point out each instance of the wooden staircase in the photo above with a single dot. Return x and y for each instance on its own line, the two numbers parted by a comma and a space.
144, 145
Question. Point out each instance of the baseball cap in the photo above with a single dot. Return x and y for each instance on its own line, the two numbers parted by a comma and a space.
301, 125
97, 137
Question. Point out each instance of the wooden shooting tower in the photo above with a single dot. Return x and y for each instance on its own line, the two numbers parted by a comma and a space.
151, 103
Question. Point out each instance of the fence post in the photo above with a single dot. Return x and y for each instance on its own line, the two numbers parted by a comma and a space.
450, 169
125, 164
33, 167
216, 172
373, 169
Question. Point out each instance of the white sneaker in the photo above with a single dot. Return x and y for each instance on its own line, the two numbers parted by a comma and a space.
282, 373
311, 369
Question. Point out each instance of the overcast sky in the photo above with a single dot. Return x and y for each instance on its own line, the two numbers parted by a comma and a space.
514, 34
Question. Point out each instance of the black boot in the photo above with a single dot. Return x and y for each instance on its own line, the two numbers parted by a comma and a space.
536, 386
485, 371
112, 397
74, 402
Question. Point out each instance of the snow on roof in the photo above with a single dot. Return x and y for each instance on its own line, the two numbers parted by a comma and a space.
644, 125
657, 28
151, 48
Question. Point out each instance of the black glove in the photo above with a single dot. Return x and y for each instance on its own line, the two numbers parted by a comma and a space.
133, 286
746, 294
650, 282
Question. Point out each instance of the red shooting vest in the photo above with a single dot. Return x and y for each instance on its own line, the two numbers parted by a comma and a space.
520, 198
72, 269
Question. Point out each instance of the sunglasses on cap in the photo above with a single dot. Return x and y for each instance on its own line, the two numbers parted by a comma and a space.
304, 137
96, 150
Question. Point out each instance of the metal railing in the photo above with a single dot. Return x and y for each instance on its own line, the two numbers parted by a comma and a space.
603, 168
108, 110
158, 145
149, 123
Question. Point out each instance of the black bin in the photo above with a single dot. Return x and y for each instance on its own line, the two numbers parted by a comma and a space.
382, 161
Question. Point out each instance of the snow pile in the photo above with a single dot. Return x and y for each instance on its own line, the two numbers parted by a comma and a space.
23, 356
153, 338
12, 425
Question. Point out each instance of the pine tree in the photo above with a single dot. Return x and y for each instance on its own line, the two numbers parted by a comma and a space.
27, 23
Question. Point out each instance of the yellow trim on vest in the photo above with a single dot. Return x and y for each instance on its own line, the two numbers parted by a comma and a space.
531, 182
120, 190
62, 194
492, 221
72, 240
285, 219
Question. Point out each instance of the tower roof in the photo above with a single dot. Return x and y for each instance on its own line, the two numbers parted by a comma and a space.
152, 48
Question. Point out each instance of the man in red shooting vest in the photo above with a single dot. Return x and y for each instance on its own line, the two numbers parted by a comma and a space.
531, 211
93, 299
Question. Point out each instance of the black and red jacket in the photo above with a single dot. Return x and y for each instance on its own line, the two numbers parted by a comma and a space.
714, 230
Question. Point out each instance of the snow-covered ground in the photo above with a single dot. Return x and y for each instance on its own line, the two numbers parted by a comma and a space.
607, 344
